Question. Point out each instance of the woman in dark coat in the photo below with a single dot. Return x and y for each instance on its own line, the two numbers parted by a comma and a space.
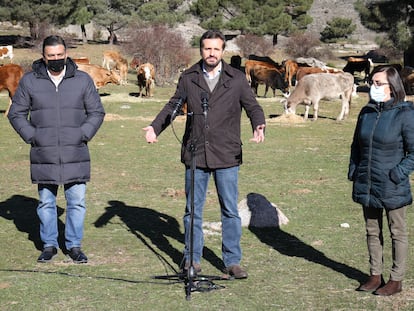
382, 158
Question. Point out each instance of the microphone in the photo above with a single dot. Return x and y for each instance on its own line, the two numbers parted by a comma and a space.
178, 105
204, 103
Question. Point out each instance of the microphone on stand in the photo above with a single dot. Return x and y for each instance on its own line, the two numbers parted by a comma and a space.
177, 108
204, 103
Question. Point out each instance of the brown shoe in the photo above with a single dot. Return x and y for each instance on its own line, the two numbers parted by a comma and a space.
391, 288
237, 272
373, 283
197, 267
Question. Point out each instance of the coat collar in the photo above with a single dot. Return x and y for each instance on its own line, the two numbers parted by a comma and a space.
381, 106
226, 69
39, 67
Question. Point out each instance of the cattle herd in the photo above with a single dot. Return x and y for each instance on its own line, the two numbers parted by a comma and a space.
306, 81
114, 70
303, 81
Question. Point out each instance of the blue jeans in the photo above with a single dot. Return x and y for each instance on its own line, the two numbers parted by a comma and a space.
75, 214
226, 181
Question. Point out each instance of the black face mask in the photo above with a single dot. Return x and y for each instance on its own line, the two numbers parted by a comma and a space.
56, 65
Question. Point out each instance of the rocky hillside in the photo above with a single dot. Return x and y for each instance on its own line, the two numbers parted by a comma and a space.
323, 11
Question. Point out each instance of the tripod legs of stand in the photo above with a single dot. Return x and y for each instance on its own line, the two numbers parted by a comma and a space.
189, 284
199, 283
193, 282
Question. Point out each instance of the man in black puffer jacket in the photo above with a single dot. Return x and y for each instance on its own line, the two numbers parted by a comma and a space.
57, 110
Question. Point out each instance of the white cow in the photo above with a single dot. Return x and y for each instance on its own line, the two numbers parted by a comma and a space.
6, 51
314, 87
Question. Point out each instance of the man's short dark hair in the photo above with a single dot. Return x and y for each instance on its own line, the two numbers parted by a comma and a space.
52, 41
213, 34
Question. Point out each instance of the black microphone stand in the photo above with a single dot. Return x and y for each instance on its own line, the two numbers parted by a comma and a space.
191, 273
192, 281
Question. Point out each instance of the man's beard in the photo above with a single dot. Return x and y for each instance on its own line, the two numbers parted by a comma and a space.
212, 65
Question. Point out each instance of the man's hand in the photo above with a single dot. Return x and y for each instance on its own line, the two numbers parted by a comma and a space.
150, 135
258, 134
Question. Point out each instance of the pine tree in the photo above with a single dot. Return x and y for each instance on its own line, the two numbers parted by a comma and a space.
394, 17
258, 17
37, 12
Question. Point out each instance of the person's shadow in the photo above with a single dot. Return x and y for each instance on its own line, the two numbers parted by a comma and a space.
289, 245
145, 223
22, 211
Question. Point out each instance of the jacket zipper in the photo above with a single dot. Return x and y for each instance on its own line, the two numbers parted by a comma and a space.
370, 152
57, 129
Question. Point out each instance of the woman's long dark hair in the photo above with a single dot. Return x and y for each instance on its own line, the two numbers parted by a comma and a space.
394, 80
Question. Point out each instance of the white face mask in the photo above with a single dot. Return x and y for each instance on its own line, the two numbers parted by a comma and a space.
377, 93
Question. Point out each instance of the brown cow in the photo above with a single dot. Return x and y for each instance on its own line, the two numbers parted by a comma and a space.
146, 79
10, 75
269, 74
110, 58
122, 66
114, 60
303, 71
135, 62
101, 76
270, 77
81, 60
358, 64
250, 65
265, 59
291, 67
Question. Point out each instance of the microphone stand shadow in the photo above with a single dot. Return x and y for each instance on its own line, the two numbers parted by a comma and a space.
193, 282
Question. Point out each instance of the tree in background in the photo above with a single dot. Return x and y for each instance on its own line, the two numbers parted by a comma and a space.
37, 13
113, 15
252, 44
117, 14
82, 15
306, 45
337, 28
166, 49
161, 12
393, 17
258, 17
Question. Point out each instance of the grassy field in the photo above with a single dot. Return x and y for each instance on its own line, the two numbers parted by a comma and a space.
133, 228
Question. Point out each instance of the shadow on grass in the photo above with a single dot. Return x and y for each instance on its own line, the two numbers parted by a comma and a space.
22, 211
289, 245
145, 223
262, 211
310, 116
